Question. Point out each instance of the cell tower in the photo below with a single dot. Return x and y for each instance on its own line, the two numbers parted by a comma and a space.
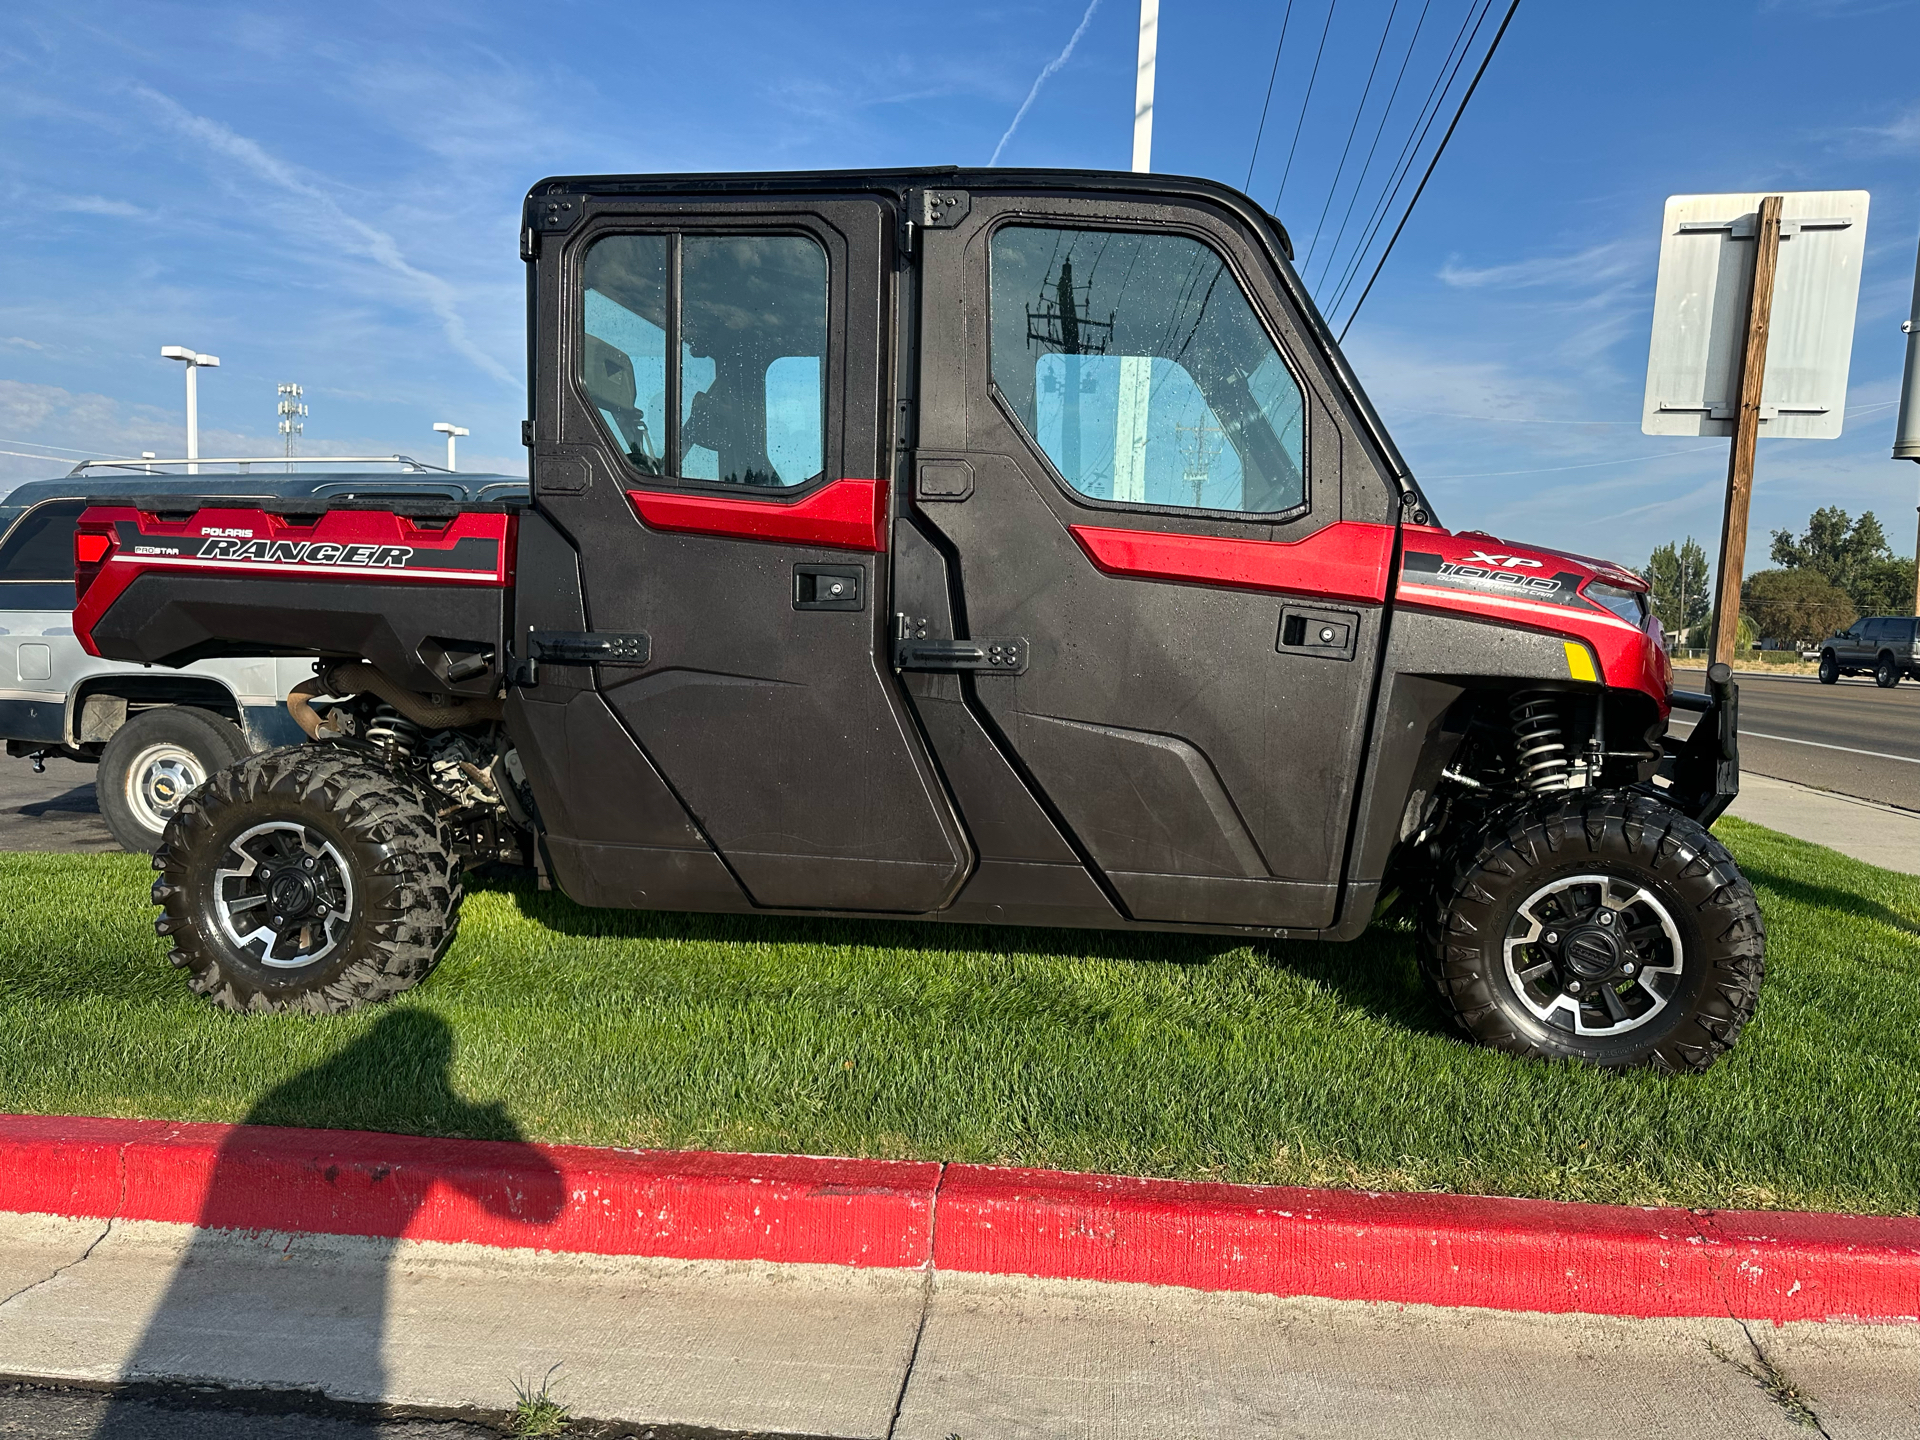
292, 413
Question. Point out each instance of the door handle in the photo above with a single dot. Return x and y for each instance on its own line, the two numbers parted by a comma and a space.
829, 587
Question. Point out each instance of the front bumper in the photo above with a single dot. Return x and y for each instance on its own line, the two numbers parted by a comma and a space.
1703, 771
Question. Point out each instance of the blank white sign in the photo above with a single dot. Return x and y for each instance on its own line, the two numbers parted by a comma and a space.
1700, 313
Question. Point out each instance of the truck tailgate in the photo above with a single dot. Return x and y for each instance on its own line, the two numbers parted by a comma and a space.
413, 586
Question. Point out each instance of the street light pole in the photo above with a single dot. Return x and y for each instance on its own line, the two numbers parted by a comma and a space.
450, 431
1143, 86
194, 362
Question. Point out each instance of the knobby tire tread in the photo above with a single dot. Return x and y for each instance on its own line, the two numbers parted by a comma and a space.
1467, 912
411, 885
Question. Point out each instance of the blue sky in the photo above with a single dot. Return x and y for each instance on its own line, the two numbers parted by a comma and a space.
328, 194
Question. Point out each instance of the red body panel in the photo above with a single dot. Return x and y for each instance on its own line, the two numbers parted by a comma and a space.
1348, 560
117, 544
846, 515
1523, 585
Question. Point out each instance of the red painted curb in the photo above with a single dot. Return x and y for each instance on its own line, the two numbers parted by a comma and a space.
1533, 1255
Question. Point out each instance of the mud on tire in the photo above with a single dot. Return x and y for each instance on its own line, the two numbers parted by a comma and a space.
343, 854
1566, 898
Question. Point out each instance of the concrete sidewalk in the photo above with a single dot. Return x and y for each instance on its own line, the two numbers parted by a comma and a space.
1878, 834
817, 1350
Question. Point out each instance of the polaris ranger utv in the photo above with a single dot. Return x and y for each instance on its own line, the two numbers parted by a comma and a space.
982, 546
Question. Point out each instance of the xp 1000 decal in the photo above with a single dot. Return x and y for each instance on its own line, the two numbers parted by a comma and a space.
1495, 571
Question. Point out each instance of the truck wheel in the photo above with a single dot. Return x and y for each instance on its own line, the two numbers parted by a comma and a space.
307, 879
1607, 928
1886, 674
153, 762
1829, 668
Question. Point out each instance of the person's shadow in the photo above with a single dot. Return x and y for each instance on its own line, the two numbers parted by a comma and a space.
262, 1311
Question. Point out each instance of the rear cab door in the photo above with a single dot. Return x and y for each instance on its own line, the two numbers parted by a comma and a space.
1141, 490
712, 436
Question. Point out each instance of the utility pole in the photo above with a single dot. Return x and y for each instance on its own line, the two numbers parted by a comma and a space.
194, 363
292, 413
450, 431
1906, 430
1746, 431
1143, 87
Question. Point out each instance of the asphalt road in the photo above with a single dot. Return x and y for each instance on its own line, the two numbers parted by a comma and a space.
212, 1412
1853, 738
54, 811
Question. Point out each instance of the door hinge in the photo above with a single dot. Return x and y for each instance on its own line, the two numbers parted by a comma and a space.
912, 650
581, 647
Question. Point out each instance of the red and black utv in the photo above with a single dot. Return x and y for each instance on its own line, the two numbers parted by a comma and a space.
985, 546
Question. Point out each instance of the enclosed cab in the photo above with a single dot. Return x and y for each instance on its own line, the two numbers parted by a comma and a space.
990, 546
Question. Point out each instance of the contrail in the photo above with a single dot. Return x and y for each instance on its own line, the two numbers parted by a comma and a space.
377, 245
1052, 65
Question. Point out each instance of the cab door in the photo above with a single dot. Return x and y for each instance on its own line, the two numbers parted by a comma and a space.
710, 419
1128, 452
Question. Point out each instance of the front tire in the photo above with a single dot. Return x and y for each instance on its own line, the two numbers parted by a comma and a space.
153, 762
1607, 928
1886, 674
310, 879
1829, 668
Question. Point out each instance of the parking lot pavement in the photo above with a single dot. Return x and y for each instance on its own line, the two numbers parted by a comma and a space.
54, 811
821, 1350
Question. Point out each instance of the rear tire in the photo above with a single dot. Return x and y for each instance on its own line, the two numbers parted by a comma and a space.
1886, 674
153, 762
310, 879
1829, 668
1572, 899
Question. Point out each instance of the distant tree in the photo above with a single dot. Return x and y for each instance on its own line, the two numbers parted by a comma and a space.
1798, 606
1678, 574
1852, 554
1884, 587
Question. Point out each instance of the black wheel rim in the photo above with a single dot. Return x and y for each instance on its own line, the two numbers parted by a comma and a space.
1594, 955
284, 895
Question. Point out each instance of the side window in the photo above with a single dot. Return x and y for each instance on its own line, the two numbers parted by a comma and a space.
40, 545
623, 363
1139, 367
750, 375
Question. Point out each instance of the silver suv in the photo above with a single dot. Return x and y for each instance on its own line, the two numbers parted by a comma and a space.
1883, 646
156, 734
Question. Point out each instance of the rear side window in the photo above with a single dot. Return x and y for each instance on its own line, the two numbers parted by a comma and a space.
1140, 368
40, 545
744, 400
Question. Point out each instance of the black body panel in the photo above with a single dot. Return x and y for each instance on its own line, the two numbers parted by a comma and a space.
166, 619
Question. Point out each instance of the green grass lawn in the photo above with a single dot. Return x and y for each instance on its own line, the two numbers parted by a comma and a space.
1141, 1054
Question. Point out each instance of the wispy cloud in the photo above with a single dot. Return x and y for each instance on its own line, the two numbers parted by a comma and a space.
93, 205
1596, 265
368, 241
1045, 74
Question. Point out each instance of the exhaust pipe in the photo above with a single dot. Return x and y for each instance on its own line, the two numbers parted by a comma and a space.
358, 677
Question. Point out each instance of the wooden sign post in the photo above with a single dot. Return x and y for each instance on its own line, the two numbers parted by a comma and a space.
1746, 432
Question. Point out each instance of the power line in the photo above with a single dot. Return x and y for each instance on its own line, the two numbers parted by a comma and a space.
1378, 130
1352, 130
1305, 101
1461, 47
1485, 61
1284, 19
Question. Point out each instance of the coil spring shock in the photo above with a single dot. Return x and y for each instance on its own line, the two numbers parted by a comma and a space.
394, 733
1539, 741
